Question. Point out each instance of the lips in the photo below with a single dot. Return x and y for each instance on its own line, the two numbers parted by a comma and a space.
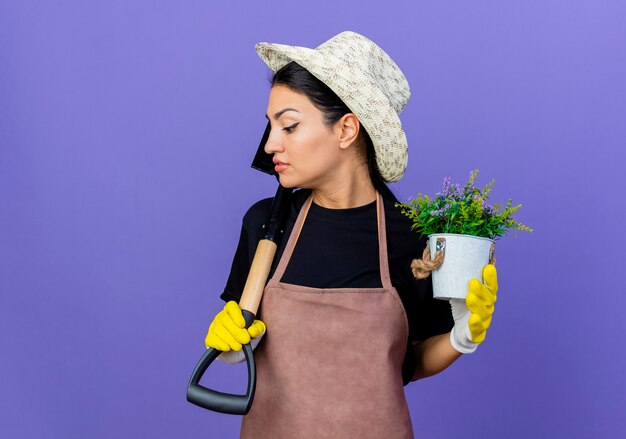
280, 166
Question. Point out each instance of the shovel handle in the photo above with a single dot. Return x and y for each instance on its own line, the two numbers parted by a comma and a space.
255, 283
249, 303
219, 401
264, 255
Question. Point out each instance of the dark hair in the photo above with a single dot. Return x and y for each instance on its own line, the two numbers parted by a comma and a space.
333, 108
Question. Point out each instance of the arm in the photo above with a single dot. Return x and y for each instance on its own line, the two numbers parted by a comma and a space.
472, 319
433, 355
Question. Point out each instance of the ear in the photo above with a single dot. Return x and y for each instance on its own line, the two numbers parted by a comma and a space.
348, 128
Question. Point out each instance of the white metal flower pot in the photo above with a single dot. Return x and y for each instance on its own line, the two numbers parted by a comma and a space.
464, 258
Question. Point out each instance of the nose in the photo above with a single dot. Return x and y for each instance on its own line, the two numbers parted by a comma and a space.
274, 143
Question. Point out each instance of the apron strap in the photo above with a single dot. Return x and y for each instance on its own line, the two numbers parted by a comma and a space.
383, 258
293, 237
382, 241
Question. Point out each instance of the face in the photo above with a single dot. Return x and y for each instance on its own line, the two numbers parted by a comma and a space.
311, 152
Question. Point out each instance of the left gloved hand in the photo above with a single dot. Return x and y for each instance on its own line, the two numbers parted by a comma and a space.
228, 333
472, 317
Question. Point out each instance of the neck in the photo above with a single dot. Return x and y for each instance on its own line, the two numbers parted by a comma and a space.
355, 193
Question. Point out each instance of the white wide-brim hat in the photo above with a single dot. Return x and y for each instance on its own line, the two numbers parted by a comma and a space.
367, 80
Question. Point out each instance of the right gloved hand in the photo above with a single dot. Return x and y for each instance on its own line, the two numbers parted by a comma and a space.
472, 316
228, 333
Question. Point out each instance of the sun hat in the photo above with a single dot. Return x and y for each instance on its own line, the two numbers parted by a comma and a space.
367, 80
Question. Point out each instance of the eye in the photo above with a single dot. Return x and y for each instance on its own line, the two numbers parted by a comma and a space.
290, 129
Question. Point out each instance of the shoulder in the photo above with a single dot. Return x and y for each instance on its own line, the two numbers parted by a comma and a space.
400, 234
257, 214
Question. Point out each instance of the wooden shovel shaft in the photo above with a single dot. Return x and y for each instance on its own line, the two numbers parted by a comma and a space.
257, 278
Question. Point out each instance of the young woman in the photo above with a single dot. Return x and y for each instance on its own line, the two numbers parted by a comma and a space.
347, 322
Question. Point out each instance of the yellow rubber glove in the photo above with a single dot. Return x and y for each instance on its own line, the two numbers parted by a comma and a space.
480, 300
473, 316
228, 329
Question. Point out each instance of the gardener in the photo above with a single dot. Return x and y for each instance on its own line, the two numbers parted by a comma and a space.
347, 322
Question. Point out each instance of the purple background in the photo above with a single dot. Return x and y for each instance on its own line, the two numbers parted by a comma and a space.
127, 130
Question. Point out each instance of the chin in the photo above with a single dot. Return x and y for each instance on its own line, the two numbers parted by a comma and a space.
288, 183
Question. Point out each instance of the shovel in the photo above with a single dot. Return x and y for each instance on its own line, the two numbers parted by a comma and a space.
250, 299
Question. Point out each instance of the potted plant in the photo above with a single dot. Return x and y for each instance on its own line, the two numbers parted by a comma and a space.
462, 229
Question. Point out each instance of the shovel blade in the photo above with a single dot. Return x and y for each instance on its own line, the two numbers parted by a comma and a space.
262, 160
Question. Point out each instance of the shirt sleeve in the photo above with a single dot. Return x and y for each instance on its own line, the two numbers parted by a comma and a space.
238, 271
427, 316
251, 229
432, 316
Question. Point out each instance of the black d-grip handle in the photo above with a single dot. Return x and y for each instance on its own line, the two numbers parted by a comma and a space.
219, 401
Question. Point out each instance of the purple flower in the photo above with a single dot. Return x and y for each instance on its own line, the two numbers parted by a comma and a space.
440, 211
457, 190
446, 186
